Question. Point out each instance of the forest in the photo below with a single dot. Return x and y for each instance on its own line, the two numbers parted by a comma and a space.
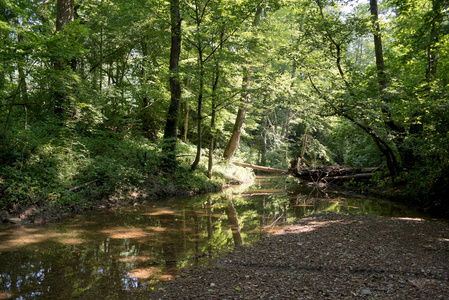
112, 99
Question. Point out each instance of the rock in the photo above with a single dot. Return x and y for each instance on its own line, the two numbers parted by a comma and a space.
366, 292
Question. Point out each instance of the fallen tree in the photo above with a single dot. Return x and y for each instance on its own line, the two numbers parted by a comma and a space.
332, 173
326, 174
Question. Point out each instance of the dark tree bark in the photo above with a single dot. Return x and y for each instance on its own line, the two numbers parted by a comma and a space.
212, 120
65, 13
436, 21
199, 107
380, 63
171, 126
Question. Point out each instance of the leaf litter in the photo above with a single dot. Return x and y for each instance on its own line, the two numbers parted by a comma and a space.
328, 256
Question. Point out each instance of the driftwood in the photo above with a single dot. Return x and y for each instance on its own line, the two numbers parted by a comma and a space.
332, 174
261, 193
326, 174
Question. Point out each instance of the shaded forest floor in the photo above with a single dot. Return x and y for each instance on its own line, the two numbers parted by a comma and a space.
329, 256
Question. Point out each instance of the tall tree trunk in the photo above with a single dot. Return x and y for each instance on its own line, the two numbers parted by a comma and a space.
199, 109
171, 126
286, 127
65, 12
380, 64
186, 120
263, 160
405, 153
212, 120
22, 75
434, 38
233, 142
240, 119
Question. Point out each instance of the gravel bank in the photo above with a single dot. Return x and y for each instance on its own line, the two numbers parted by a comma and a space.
329, 256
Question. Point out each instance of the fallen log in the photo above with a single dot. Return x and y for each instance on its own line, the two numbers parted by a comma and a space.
316, 174
330, 173
349, 177
261, 193
260, 168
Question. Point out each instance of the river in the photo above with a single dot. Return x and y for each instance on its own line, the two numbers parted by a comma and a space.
126, 252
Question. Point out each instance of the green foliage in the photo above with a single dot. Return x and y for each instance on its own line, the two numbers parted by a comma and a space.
87, 105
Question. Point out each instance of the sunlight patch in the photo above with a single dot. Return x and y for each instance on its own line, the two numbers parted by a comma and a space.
125, 233
411, 219
162, 211
144, 273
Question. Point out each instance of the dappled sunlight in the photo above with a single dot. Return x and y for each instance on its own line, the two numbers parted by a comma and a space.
16, 237
296, 229
133, 243
262, 192
308, 227
157, 229
71, 241
161, 211
136, 259
144, 273
411, 219
125, 233
302, 205
272, 229
167, 277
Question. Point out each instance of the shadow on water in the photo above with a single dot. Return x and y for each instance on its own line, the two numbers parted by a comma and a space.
127, 252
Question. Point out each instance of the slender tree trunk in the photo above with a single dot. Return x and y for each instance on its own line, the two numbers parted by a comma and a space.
286, 127
22, 76
240, 119
171, 126
432, 49
286, 124
186, 121
233, 142
199, 108
263, 160
212, 121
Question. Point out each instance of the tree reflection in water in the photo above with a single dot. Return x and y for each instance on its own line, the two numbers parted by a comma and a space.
129, 251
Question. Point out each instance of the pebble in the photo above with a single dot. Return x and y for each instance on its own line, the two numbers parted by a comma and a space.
366, 292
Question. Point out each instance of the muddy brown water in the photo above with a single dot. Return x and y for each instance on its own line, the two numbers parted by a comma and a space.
127, 252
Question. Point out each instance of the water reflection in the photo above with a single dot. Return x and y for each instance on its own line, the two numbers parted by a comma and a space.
127, 252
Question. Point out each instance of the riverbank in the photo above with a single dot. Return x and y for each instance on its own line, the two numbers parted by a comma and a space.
101, 194
330, 256
181, 184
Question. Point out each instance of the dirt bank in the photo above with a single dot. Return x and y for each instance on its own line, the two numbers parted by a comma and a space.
329, 256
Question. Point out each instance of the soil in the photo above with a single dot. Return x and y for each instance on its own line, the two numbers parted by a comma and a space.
329, 256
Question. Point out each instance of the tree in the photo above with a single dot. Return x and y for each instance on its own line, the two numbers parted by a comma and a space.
234, 140
65, 12
171, 127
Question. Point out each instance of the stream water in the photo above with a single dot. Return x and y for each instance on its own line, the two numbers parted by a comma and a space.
126, 252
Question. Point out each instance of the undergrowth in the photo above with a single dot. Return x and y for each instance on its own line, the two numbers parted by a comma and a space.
67, 170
